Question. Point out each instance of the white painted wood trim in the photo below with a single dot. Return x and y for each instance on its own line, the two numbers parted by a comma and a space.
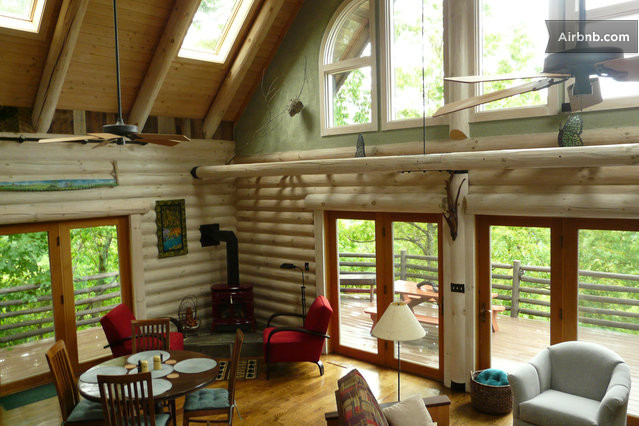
327, 67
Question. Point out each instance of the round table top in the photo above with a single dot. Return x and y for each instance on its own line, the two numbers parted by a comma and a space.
182, 385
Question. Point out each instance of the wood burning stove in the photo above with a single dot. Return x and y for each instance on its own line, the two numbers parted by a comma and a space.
231, 302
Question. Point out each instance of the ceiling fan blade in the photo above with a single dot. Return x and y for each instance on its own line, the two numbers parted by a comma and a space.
160, 139
494, 96
499, 77
623, 69
103, 143
70, 139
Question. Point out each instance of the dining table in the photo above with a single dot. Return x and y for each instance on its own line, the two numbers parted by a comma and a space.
181, 373
413, 293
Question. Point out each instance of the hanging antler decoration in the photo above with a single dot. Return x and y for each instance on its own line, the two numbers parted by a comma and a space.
451, 209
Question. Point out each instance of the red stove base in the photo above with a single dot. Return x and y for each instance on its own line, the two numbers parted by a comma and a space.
232, 306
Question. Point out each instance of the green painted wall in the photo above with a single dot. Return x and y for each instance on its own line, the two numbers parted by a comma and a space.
302, 132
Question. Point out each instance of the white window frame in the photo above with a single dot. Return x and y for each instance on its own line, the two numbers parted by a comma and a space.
227, 38
552, 106
388, 123
607, 12
326, 69
31, 25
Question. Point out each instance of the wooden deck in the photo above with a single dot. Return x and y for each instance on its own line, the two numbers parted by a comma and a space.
519, 339
28, 360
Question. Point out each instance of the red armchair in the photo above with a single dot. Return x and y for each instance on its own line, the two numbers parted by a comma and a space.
117, 328
293, 344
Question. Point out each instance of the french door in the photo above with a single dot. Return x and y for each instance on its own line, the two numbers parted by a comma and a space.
549, 280
378, 258
56, 281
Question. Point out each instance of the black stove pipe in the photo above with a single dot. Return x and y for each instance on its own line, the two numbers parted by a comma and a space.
210, 235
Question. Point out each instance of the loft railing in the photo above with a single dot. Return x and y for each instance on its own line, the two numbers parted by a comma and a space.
34, 317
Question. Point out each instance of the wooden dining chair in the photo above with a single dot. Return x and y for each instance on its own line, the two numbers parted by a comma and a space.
128, 400
216, 401
150, 334
74, 410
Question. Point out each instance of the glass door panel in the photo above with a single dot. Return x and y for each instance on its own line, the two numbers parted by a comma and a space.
26, 305
96, 285
356, 255
416, 282
520, 293
608, 308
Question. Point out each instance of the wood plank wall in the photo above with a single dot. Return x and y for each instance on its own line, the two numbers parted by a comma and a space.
275, 227
153, 172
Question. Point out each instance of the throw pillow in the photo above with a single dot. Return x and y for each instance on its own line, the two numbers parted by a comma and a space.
492, 377
409, 412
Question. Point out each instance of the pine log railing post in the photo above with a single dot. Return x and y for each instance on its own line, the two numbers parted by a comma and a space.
514, 303
402, 265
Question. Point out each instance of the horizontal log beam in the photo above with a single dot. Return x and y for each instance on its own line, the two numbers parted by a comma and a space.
585, 156
417, 202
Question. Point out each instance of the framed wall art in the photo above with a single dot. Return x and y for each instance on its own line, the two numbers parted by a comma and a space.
170, 219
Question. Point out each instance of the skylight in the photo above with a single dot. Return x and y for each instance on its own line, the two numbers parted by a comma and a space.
23, 15
214, 28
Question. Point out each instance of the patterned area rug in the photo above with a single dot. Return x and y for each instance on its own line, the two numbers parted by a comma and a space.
246, 370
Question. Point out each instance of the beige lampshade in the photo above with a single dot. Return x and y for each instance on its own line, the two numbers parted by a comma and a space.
398, 324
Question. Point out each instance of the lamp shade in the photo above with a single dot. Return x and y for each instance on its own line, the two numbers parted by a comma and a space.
398, 324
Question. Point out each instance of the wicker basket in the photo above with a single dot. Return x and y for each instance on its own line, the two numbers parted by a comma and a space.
490, 399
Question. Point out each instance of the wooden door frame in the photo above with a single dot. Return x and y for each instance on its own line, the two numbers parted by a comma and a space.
126, 288
384, 256
59, 267
483, 331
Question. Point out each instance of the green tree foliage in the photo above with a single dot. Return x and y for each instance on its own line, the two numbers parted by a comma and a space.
352, 103
25, 281
208, 24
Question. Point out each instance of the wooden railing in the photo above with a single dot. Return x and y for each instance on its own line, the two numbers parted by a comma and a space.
526, 290
88, 315
523, 289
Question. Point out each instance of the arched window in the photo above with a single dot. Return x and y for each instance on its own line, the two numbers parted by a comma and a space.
348, 97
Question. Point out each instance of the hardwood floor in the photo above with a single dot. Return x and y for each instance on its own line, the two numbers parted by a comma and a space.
296, 395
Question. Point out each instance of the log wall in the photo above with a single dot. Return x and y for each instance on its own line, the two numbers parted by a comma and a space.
144, 173
596, 192
275, 225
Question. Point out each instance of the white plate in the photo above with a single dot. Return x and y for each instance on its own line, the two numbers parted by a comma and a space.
195, 365
147, 355
91, 375
166, 369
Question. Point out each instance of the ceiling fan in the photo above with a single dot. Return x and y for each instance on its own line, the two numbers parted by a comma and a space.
120, 132
579, 63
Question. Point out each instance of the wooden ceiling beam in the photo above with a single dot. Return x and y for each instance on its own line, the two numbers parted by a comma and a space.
233, 79
165, 52
55, 69
583, 156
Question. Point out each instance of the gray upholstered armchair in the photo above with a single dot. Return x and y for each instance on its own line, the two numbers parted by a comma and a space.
571, 383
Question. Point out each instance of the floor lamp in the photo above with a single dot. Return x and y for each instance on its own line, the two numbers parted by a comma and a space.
398, 324
291, 266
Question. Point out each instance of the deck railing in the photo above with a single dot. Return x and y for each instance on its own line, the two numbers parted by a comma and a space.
99, 300
523, 289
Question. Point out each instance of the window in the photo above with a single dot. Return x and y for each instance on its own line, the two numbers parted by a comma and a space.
510, 42
615, 94
406, 46
347, 70
23, 15
214, 29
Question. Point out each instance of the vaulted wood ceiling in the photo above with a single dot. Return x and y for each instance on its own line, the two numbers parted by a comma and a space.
190, 87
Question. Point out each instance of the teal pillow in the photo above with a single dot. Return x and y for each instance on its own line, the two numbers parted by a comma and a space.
492, 377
